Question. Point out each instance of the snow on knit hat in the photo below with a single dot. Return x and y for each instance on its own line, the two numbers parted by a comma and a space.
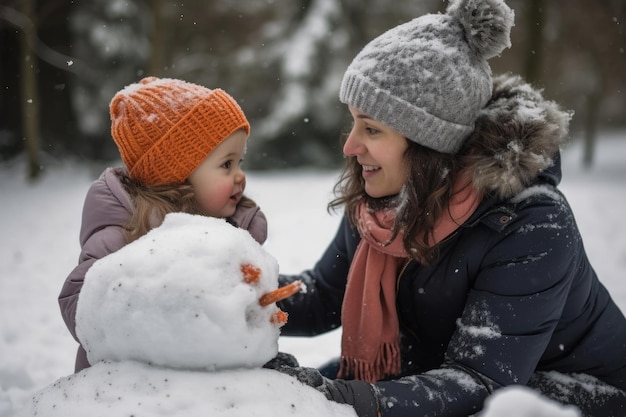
164, 128
429, 78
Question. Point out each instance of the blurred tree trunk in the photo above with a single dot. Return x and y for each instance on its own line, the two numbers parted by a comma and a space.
594, 101
593, 70
593, 104
535, 21
155, 66
30, 90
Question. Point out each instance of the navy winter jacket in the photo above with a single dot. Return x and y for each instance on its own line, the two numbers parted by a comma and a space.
511, 294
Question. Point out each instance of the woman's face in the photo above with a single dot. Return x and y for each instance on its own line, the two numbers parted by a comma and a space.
379, 149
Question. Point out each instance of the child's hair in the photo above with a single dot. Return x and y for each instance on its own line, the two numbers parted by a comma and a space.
419, 204
152, 203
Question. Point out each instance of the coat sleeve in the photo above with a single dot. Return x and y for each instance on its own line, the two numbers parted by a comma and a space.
516, 300
102, 233
102, 243
318, 309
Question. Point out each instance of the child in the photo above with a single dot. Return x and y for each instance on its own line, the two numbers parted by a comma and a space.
458, 268
182, 145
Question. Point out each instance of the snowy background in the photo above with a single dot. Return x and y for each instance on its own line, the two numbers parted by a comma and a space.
39, 247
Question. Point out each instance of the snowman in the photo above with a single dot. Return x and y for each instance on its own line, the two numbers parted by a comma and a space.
180, 323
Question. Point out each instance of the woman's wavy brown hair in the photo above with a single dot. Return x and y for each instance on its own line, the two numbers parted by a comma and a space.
422, 200
152, 203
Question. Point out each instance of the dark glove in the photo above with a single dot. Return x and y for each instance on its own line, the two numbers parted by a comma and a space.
281, 359
359, 394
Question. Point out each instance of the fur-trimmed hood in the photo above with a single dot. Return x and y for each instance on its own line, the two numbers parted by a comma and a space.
516, 137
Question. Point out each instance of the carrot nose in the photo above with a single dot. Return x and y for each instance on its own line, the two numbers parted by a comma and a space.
280, 293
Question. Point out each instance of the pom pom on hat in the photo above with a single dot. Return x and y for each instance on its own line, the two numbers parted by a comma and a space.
164, 128
429, 78
487, 21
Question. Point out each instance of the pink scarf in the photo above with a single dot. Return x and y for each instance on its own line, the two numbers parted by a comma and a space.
370, 349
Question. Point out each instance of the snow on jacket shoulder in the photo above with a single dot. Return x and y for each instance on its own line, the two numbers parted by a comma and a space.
512, 291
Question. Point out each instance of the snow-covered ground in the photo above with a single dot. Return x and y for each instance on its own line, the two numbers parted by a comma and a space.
39, 226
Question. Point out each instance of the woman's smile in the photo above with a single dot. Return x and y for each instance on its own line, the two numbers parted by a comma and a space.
369, 170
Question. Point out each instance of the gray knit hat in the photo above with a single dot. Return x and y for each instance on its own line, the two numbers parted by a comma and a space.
429, 78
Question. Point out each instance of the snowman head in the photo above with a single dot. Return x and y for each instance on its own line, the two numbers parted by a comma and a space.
194, 293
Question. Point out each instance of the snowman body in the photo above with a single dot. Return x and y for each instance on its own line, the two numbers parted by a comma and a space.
173, 325
179, 297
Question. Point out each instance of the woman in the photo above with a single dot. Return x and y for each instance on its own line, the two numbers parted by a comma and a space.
458, 268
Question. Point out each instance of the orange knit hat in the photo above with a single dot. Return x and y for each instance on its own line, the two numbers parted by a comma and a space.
164, 128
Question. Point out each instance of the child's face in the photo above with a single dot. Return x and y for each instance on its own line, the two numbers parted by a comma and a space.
379, 150
218, 181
